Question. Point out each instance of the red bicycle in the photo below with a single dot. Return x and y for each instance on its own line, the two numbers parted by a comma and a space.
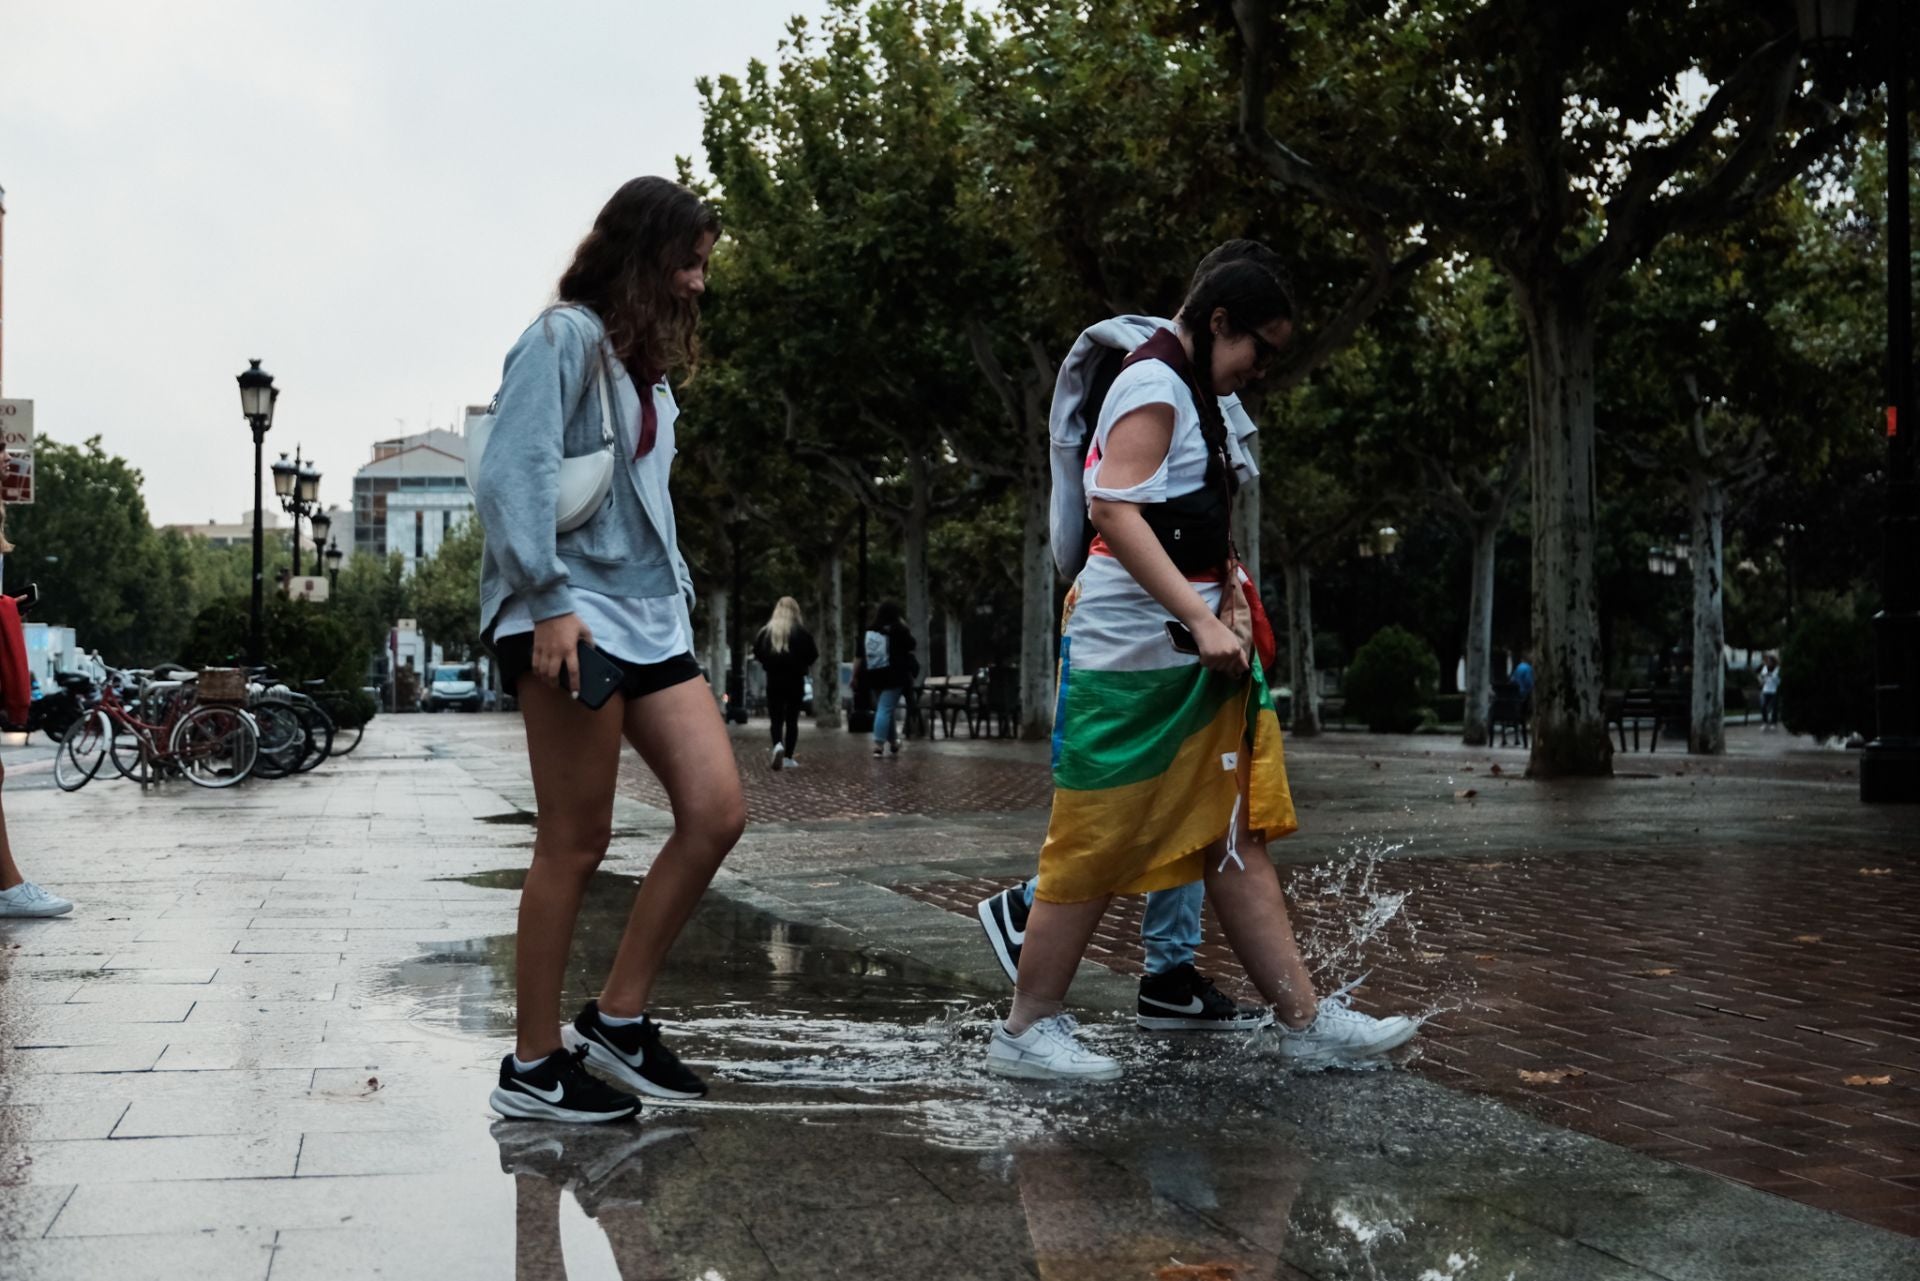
211, 744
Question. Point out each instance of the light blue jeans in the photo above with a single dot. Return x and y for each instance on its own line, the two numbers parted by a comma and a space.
884, 705
1170, 928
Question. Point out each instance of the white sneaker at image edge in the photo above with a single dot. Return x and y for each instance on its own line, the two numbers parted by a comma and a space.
28, 899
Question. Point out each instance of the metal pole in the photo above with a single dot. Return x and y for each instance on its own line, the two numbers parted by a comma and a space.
1890, 766
736, 666
254, 635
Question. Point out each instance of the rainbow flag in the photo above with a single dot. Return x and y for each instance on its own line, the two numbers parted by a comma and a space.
1151, 754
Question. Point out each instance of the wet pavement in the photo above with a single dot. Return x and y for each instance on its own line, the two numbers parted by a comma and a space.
263, 1045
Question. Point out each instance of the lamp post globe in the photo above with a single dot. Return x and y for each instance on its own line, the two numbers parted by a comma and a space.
284, 472
322, 526
333, 558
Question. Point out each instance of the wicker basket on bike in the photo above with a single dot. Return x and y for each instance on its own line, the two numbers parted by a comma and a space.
222, 685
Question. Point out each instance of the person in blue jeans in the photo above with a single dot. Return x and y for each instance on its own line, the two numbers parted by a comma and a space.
890, 664
1174, 996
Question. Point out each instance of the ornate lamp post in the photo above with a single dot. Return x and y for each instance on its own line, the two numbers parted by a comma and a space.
333, 556
297, 485
1890, 767
257, 398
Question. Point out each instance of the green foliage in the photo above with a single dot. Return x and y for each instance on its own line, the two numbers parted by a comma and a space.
1391, 681
1826, 672
304, 641
446, 593
372, 594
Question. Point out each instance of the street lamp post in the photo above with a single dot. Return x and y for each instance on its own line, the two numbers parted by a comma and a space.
1890, 766
257, 398
296, 483
333, 555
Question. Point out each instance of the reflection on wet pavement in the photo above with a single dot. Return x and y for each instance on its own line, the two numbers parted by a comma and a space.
850, 1133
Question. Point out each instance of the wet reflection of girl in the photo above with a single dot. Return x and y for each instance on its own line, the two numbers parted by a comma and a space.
1167, 763
626, 316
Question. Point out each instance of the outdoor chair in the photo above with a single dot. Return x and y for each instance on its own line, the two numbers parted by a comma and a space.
1509, 714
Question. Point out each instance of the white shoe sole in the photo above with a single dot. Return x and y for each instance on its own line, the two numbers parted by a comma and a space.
1025, 1070
47, 915
511, 1103
1154, 1023
995, 940
610, 1064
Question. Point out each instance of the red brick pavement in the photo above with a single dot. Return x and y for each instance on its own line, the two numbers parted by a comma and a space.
840, 779
1707, 1008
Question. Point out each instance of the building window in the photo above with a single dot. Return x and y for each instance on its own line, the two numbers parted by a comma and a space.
419, 535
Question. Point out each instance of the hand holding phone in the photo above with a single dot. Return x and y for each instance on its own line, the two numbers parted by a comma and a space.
599, 676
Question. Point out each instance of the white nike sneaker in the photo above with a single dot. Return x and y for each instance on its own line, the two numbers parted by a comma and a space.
28, 899
1047, 1051
1341, 1034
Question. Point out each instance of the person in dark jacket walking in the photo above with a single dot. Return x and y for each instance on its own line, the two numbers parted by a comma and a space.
785, 650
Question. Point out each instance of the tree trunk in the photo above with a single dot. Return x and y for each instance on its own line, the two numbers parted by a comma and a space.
956, 657
1478, 687
826, 672
1038, 665
1569, 725
717, 664
1707, 724
1246, 519
919, 602
1302, 674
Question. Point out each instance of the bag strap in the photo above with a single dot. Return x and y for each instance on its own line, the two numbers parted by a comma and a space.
606, 402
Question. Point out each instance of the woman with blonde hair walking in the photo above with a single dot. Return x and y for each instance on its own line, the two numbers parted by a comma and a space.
786, 652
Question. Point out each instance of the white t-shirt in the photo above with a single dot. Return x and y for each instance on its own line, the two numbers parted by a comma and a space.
638, 629
1184, 469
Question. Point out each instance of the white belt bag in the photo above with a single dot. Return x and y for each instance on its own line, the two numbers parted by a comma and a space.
583, 481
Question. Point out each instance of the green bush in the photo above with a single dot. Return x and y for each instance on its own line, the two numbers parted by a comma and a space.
1391, 681
304, 641
1826, 674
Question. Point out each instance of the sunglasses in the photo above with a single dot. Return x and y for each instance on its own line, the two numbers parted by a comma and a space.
1264, 352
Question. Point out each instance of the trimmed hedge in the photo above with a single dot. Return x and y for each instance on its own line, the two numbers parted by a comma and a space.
1391, 681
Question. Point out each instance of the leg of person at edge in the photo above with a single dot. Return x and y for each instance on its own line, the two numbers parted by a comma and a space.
20, 897
1133, 792
620, 583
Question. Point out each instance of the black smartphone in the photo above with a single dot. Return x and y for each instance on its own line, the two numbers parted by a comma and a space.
1182, 638
599, 677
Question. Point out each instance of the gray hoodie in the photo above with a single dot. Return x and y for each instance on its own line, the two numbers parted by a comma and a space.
547, 409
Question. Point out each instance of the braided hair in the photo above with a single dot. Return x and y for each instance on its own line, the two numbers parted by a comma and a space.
1254, 294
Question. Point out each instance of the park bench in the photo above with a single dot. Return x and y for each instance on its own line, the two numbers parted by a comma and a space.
1655, 708
1509, 713
940, 701
993, 702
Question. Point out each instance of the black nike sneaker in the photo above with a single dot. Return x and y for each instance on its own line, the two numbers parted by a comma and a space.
559, 1088
632, 1055
1185, 1000
1004, 918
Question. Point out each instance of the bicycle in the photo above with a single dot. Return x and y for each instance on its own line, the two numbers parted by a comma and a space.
211, 744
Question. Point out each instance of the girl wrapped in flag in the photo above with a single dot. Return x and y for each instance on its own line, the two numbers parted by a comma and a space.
1167, 757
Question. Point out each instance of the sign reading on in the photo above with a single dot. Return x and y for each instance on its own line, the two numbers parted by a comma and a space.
16, 425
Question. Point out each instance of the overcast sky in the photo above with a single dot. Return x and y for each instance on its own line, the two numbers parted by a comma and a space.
372, 197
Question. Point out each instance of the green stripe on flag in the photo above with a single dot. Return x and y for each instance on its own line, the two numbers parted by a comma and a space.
1125, 727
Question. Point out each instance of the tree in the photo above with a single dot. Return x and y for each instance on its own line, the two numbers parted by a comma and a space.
1559, 143
446, 592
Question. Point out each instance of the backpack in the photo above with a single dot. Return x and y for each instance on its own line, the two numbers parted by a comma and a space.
878, 651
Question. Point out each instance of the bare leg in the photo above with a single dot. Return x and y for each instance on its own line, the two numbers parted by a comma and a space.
575, 756
678, 732
1247, 898
1057, 937
536, 1216
9, 870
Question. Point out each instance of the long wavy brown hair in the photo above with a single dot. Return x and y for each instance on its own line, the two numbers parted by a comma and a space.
624, 270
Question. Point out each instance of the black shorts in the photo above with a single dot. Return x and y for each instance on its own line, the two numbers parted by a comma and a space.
637, 680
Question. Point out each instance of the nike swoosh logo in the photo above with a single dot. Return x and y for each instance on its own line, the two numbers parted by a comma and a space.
1193, 1005
552, 1096
1016, 937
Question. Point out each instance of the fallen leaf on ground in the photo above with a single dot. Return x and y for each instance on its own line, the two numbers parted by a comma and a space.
1552, 1076
1466, 769
1486, 956
1466, 793
1868, 1080
1375, 764
1658, 974
1876, 871
1495, 769
1806, 938
1433, 956
373, 1083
